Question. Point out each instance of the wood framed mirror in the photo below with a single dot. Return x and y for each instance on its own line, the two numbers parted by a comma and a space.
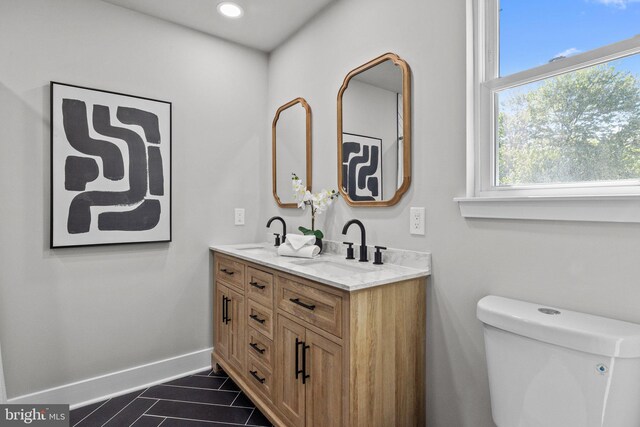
291, 150
374, 132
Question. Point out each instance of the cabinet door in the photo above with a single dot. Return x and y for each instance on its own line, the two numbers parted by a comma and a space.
221, 328
290, 390
324, 392
237, 326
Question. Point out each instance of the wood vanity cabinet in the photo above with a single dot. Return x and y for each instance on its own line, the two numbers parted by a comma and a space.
309, 354
230, 326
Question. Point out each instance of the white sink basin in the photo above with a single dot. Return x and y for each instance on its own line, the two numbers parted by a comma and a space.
334, 268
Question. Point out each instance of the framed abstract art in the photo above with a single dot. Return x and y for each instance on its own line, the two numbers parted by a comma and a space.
110, 168
362, 167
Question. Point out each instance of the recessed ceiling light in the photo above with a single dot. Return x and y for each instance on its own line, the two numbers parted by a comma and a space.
230, 10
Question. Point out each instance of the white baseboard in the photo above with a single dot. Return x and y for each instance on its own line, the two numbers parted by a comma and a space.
114, 384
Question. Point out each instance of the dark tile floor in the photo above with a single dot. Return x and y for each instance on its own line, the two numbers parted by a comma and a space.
205, 399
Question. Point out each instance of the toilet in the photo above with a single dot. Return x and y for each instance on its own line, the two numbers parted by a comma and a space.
550, 367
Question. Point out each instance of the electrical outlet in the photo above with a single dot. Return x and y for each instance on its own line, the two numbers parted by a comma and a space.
416, 221
239, 216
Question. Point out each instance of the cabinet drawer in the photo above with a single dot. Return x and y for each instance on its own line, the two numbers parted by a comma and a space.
260, 318
260, 286
230, 271
320, 308
260, 377
260, 347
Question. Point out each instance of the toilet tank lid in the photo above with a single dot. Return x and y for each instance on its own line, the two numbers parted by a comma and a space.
571, 329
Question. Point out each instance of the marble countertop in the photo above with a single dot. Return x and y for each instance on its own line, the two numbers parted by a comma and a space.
331, 267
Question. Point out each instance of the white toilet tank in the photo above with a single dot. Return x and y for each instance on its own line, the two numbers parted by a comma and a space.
550, 367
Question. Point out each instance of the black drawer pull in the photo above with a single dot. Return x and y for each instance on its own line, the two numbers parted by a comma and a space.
305, 347
256, 318
300, 303
256, 285
226, 311
298, 344
256, 348
224, 270
255, 375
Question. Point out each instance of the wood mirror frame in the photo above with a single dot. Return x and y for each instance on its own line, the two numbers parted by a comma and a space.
274, 164
406, 127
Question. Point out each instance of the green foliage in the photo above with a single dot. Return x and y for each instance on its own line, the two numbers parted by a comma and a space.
581, 126
309, 232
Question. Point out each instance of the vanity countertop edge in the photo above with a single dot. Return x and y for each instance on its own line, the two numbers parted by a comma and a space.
370, 276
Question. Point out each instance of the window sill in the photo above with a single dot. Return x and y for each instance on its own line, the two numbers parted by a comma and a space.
613, 208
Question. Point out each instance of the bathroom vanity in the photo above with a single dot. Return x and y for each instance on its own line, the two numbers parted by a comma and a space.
324, 341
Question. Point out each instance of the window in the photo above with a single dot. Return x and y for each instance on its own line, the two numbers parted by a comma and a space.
553, 101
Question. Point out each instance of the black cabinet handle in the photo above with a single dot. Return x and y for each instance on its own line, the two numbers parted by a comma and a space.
257, 319
224, 309
224, 270
300, 303
226, 303
256, 285
298, 343
304, 363
255, 375
256, 348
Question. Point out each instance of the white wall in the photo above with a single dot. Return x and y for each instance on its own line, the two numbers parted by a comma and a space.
591, 267
373, 111
71, 314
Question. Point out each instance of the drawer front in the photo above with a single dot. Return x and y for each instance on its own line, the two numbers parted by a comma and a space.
320, 308
230, 271
260, 318
260, 347
260, 286
260, 377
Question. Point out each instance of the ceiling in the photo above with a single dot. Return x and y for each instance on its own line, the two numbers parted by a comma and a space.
264, 26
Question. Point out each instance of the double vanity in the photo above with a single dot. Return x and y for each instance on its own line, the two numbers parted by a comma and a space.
323, 341
339, 339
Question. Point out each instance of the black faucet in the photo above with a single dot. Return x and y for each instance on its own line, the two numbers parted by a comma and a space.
284, 228
363, 238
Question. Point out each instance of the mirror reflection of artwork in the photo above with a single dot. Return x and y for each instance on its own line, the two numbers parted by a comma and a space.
362, 167
373, 107
110, 168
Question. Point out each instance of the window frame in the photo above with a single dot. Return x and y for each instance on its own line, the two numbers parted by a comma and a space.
483, 84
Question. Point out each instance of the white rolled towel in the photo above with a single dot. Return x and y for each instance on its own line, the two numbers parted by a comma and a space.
299, 246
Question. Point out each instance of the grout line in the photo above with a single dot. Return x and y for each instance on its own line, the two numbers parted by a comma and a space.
141, 415
223, 383
231, 404
161, 422
206, 376
250, 415
197, 388
196, 419
204, 403
91, 412
222, 375
123, 408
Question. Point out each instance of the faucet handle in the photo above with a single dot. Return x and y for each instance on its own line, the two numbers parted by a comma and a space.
378, 255
349, 250
277, 239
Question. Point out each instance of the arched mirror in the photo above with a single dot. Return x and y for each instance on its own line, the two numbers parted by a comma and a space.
291, 149
374, 132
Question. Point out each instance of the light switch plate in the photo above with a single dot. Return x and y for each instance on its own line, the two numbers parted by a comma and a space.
239, 216
416, 221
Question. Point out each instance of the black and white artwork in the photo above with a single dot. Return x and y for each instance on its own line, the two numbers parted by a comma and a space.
110, 168
362, 167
